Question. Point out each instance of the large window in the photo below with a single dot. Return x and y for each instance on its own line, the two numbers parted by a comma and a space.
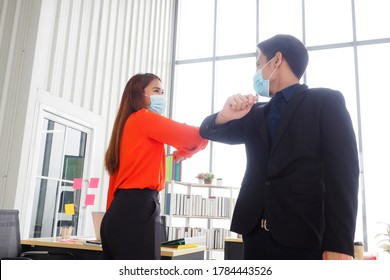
348, 42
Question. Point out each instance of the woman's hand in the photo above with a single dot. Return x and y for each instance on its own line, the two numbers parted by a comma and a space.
177, 157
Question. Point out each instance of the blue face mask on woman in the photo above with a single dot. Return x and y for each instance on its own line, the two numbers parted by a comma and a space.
260, 85
157, 103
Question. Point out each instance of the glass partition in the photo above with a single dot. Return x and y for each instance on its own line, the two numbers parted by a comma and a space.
62, 158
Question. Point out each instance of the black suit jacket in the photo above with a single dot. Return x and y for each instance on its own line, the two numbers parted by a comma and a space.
306, 183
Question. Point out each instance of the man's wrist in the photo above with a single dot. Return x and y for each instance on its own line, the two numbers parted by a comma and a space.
220, 119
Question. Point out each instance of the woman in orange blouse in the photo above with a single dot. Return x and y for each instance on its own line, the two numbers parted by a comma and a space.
135, 161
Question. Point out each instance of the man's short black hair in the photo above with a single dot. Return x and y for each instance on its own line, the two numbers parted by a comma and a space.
292, 50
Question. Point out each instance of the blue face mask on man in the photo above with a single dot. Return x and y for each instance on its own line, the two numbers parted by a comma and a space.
157, 103
260, 85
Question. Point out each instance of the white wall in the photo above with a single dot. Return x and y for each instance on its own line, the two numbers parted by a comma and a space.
18, 30
72, 58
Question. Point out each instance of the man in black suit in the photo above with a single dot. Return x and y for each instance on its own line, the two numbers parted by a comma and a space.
299, 194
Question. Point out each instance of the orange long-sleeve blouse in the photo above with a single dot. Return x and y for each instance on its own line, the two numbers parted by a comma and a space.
142, 150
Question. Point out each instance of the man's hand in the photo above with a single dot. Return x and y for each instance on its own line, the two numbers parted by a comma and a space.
236, 106
329, 255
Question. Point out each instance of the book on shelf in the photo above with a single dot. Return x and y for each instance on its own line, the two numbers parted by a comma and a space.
196, 205
173, 168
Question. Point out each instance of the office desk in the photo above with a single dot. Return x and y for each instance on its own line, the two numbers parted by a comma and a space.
234, 249
84, 251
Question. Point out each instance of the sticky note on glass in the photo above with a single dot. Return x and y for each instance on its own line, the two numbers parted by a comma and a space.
77, 183
69, 209
89, 199
93, 183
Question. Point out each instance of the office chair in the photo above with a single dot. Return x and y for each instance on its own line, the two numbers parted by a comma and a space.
10, 246
10, 235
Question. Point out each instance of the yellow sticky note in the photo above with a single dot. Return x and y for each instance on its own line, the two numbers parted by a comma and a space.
69, 209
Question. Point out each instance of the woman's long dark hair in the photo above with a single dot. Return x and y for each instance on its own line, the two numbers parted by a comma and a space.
132, 101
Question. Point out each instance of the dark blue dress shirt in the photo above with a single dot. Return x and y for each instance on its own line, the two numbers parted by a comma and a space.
277, 106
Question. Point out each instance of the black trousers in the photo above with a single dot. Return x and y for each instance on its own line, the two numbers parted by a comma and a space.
131, 227
259, 245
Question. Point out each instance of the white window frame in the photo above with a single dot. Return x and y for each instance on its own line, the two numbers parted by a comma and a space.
48, 103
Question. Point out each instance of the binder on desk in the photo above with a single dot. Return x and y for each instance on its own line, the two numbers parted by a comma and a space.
174, 242
187, 242
184, 246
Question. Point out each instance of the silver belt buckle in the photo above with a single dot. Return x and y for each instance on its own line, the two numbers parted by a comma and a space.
263, 224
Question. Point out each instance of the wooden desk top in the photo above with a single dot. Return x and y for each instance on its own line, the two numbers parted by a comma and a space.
58, 243
230, 239
80, 243
170, 252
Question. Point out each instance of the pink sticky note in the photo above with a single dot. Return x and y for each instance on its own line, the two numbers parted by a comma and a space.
93, 183
77, 183
89, 199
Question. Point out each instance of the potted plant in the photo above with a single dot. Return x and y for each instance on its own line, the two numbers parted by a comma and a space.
384, 241
206, 177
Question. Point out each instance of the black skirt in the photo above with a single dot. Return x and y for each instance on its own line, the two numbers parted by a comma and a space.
131, 227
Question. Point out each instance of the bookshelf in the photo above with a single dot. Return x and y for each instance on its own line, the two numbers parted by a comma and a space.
194, 209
